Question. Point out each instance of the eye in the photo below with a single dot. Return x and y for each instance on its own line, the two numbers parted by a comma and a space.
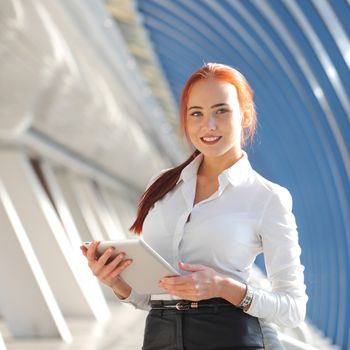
196, 114
222, 110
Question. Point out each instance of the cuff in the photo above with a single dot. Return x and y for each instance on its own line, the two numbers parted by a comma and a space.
139, 301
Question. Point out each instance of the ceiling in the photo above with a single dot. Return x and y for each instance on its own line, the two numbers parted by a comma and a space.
69, 86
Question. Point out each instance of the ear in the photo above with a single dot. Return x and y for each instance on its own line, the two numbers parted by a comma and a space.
245, 120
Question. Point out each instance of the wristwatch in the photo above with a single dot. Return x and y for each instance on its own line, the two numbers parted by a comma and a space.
247, 298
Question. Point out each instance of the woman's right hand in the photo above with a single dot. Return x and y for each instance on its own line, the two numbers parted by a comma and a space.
108, 272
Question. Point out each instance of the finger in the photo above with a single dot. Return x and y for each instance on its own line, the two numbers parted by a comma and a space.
83, 250
102, 260
113, 264
91, 252
191, 287
121, 267
183, 289
191, 267
178, 280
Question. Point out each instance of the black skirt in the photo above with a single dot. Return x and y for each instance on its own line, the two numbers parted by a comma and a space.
214, 325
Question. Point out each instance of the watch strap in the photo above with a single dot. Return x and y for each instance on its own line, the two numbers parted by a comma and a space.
247, 298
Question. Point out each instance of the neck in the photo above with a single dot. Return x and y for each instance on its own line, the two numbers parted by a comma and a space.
211, 167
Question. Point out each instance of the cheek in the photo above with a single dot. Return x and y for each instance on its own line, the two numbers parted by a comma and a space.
234, 127
192, 129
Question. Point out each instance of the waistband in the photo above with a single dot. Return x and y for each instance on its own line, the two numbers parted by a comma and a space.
184, 305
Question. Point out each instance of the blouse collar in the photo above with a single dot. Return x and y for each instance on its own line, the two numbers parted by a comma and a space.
235, 174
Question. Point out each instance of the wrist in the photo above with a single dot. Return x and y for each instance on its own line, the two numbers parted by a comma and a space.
231, 290
121, 290
220, 283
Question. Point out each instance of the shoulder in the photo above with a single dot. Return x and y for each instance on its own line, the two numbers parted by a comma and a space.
268, 186
271, 190
276, 207
157, 176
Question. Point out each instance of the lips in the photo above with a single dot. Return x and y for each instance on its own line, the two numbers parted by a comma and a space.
210, 140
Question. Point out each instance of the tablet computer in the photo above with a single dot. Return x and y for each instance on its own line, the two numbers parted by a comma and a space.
147, 268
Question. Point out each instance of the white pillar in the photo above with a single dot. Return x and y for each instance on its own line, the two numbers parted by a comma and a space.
126, 211
118, 231
80, 209
61, 204
2, 344
64, 181
86, 200
66, 272
73, 235
27, 303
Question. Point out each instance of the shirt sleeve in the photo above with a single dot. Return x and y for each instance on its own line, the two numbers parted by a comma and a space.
285, 304
138, 301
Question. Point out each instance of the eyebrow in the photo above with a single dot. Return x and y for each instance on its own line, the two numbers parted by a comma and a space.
213, 106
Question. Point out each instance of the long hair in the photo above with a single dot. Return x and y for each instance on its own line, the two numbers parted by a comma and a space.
167, 181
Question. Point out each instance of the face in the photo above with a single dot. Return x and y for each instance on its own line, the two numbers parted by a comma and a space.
214, 118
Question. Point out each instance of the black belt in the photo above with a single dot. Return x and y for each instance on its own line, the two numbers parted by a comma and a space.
184, 305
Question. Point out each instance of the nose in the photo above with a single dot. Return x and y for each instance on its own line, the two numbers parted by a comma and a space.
211, 122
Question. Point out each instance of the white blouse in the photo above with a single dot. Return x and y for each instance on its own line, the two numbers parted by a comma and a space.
246, 216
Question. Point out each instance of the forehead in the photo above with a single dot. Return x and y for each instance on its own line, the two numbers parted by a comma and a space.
211, 91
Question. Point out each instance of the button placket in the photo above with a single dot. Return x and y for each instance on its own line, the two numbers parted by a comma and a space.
179, 231
188, 190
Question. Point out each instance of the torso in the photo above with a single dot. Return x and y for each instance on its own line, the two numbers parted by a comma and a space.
204, 189
223, 233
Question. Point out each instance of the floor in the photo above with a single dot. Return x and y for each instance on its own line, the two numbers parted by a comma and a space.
123, 331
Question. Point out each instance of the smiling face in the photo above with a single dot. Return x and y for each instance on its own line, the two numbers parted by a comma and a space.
214, 119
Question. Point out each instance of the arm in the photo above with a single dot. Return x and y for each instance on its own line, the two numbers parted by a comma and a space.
285, 305
108, 273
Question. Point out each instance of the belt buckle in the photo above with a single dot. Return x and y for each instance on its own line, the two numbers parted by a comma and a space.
182, 306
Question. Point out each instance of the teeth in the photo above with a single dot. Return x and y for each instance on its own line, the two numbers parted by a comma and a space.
210, 139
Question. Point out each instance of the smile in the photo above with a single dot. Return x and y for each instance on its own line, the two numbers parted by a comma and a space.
210, 140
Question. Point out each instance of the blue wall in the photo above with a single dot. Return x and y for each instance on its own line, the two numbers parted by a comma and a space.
296, 56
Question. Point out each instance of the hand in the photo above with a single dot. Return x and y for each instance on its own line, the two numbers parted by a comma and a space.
202, 283
108, 271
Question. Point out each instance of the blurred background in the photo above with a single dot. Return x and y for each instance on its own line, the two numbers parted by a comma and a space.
89, 93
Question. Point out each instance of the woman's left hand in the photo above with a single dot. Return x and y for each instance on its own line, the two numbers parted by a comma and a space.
202, 283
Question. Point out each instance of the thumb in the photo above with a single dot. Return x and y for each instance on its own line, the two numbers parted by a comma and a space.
83, 250
190, 267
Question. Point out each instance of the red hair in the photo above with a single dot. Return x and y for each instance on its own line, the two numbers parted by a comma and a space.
167, 181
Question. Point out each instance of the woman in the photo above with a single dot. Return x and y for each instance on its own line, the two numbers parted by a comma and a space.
211, 216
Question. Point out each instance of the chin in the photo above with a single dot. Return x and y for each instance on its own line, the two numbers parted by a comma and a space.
219, 152
212, 153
